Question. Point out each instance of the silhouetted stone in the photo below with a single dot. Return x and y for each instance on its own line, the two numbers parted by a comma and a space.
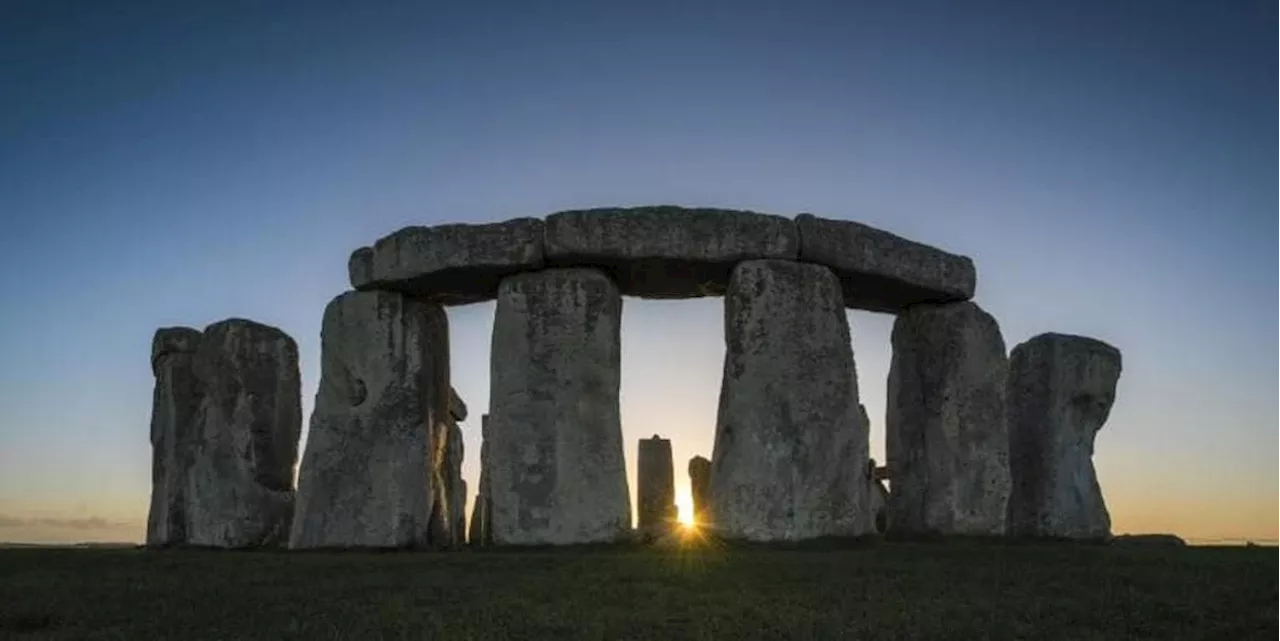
240, 484
946, 435
666, 251
1061, 389
700, 488
174, 433
879, 271
655, 487
790, 454
450, 264
556, 473
480, 533
373, 463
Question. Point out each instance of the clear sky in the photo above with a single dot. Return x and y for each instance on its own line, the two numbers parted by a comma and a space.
1110, 166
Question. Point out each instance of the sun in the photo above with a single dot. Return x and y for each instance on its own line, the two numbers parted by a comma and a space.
684, 509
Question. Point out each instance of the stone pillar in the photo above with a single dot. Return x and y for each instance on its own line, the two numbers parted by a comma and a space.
655, 487
448, 519
1061, 389
239, 487
946, 436
700, 488
373, 462
480, 512
556, 470
791, 447
174, 436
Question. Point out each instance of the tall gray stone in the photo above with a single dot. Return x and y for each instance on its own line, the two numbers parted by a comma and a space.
480, 533
882, 272
791, 447
174, 433
556, 472
240, 484
1061, 389
450, 264
374, 455
946, 436
655, 487
666, 251
700, 488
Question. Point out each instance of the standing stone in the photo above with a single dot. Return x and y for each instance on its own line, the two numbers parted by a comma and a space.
791, 447
655, 487
700, 488
556, 472
173, 432
480, 512
946, 436
879, 496
370, 473
1061, 389
448, 520
240, 485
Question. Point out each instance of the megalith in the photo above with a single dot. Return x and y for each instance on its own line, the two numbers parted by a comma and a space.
946, 436
174, 433
449, 514
655, 487
700, 488
880, 271
239, 488
374, 455
449, 264
667, 251
791, 446
479, 533
1061, 389
556, 473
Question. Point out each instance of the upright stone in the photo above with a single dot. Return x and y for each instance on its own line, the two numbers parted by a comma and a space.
240, 486
174, 436
700, 488
1061, 389
479, 533
556, 472
791, 447
373, 463
946, 436
655, 487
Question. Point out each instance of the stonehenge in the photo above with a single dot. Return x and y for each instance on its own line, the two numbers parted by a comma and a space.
946, 437
1061, 389
226, 418
789, 424
655, 487
979, 442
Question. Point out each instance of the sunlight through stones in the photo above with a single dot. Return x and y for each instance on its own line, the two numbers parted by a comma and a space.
979, 443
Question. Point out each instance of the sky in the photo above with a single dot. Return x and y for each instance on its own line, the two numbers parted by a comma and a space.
1108, 166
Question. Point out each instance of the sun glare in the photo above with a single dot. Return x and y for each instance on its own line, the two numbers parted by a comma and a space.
684, 508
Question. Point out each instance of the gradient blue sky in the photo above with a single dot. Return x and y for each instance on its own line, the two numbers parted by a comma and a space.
1110, 166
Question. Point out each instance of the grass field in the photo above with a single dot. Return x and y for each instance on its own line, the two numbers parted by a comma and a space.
952, 590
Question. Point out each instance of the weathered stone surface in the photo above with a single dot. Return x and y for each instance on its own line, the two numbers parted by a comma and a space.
450, 503
240, 484
700, 488
946, 436
655, 487
374, 454
450, 264
666, 251
556, 473
880, 271
791, 448
479, 533
1061, 389
457, 408
174, 433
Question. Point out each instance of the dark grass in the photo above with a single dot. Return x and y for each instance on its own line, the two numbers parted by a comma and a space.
923, 590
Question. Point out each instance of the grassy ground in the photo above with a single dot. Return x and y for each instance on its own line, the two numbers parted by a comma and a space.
954, 590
